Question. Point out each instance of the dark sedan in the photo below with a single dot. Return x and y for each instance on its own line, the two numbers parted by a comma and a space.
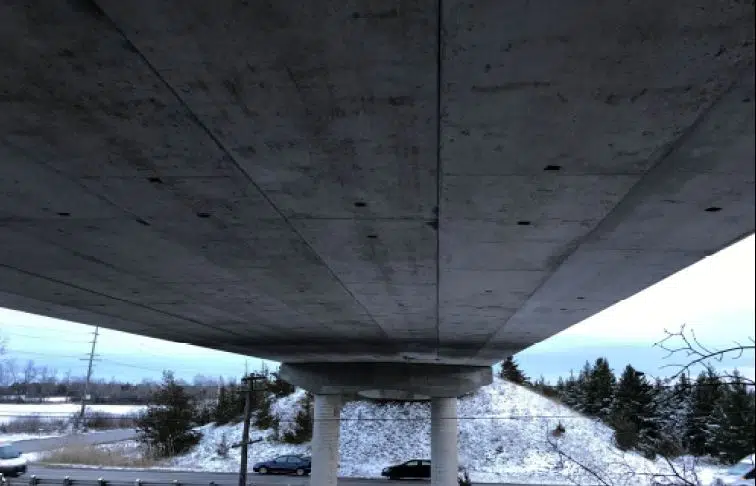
291, 464
416, 468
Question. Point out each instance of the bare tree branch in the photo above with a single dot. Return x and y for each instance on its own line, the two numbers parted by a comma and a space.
564, 455
685, 342
679, 477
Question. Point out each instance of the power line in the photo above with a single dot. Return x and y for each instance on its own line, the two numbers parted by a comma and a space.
55, 329
105, 416
43, 338
106, 360
46, 355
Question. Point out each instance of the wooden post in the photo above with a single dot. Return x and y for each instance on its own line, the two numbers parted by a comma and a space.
249, 385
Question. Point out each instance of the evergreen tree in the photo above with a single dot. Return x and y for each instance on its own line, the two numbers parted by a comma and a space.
560, 387
581, 388
632, 413
671, 407
542, 386
166, 426
511, 372
230, 404
598, 389
570, 392
219, 414
707, 394
732, 425
264, 417
707, 417
279, 387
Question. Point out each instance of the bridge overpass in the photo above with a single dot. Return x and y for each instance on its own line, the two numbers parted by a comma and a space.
386, 196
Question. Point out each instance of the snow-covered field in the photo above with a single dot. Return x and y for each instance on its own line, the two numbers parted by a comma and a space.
55, 417
505, 436
12, 411
17, 437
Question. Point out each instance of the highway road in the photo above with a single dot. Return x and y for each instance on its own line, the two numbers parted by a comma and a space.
104, 437
47, 474
53, 474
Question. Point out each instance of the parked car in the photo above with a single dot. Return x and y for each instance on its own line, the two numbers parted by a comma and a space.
416, 468
741, 474
12, 463
291, 464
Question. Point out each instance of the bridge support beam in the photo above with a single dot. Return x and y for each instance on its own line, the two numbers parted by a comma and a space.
395, 381
444, 457
325, 440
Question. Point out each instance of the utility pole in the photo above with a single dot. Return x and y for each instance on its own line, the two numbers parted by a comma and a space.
89, 374
249, 382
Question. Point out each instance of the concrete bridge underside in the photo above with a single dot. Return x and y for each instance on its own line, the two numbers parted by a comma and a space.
389, 181
409, 183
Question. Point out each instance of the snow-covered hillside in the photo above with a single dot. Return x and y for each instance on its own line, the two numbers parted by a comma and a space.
505, 436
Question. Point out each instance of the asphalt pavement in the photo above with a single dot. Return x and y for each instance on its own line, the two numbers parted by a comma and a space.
51, 475
55, 474
91, 438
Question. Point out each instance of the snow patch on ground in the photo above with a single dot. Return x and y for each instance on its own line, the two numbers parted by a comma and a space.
286, 410
17, 437
205, 457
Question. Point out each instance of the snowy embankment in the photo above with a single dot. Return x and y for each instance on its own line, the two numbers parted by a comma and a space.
506, 435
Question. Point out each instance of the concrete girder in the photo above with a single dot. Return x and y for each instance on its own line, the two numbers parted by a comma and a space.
399, 381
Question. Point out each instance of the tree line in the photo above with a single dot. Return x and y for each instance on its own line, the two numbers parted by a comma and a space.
710, 415
35, 383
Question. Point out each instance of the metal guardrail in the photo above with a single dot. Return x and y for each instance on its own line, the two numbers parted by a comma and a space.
68, 481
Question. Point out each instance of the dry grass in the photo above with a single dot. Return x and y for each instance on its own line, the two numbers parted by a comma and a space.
97, 456
104, 421
32, 425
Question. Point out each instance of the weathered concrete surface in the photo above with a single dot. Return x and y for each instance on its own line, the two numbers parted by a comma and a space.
380, 181
444, 445
406, 381
325, 440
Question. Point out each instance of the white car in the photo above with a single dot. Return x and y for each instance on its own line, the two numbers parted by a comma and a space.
12, 463
741, 474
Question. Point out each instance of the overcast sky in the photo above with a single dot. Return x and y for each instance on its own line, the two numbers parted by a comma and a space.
715, 297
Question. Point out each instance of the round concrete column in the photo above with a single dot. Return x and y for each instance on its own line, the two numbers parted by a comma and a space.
325, 440
444, 461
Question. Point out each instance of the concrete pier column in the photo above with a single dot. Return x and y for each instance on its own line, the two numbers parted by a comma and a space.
325, 440
444, 460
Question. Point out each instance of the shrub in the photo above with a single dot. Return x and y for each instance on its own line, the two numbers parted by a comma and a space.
264, 419
463, 479
104, 421
203, 415
559, 430
279, 387
166, 426
32, 425
222, 447
96, 456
